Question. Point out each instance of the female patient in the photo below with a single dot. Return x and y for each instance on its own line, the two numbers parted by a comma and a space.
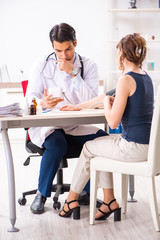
133, 106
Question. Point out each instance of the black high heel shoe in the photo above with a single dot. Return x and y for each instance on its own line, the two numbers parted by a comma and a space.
117, 212
75, 211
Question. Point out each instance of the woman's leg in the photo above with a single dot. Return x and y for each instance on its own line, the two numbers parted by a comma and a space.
82, 171
106, 146
111, 147
108, 197
75, 145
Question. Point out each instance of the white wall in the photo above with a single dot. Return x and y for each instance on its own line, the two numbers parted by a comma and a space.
145, 23
25, 26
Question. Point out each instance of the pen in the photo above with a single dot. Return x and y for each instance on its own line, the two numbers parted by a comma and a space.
47, 110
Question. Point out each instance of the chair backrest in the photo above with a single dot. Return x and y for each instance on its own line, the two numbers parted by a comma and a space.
154, 144
24, 86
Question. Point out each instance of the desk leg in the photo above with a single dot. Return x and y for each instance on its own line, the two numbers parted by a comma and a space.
131, 188
11, 180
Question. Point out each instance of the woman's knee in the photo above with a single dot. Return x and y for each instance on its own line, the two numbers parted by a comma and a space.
87, 149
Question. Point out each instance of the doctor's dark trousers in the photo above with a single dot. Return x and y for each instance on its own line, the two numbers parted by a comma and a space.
56, 146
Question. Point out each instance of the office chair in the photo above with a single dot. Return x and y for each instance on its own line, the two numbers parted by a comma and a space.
149, 169
59, 187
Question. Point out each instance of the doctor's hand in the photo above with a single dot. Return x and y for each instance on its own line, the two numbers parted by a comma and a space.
70, 107
65, 65
47, 102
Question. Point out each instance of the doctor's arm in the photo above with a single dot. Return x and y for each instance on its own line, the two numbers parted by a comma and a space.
48, 102
86, 88
36, 87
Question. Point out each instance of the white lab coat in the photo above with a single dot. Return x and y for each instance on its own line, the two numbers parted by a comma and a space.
45, 74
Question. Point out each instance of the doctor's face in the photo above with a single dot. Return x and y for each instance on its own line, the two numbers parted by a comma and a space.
65, 50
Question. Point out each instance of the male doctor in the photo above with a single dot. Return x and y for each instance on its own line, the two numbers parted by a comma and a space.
78, 77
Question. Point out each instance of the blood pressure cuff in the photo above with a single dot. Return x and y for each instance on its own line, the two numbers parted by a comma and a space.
111, 92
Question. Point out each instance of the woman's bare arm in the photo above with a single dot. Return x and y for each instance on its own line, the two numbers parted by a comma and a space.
93, 103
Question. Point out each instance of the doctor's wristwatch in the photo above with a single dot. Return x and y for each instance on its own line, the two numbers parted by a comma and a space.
74, 72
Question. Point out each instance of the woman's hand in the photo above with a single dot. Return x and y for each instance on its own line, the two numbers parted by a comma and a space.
108, 101
49, 102
70, 107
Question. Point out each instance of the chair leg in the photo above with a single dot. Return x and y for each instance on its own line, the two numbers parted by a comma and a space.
59, 188
93, 194
153, 204
124, 192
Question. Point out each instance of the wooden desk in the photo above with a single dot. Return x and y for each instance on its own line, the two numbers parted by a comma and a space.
54, 118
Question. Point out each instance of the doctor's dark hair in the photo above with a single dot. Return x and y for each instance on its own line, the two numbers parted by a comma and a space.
133, 48
62, 33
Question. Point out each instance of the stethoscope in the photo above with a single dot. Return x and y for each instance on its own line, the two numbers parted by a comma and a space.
53, 53
55, 59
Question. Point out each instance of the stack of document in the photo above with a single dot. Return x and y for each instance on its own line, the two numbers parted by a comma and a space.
12, 110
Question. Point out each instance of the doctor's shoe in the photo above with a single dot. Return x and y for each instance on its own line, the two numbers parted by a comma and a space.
37, 206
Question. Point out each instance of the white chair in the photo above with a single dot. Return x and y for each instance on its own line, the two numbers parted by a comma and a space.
149, 169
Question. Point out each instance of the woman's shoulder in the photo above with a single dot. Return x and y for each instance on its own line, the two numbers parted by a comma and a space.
126, 84
125, 79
